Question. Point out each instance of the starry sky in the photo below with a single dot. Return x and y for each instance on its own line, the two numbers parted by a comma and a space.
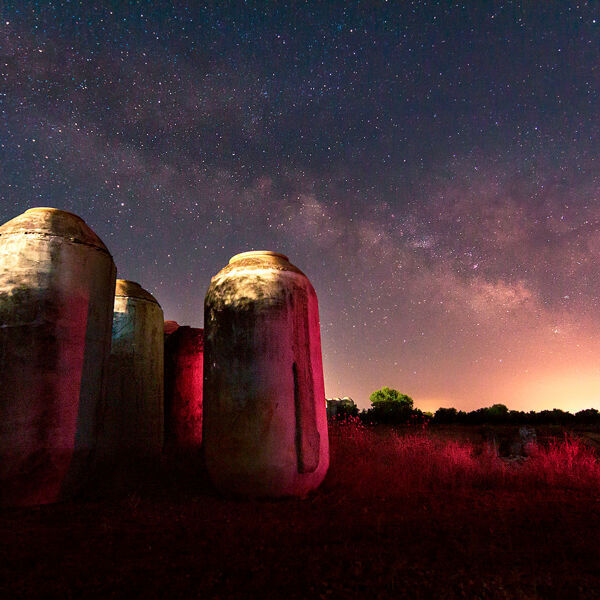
431, 166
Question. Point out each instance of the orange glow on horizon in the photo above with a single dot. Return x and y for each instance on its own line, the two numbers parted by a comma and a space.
568, 390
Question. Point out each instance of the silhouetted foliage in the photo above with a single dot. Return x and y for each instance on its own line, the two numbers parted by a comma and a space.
499, 414
391, 407
445, 416
589, 415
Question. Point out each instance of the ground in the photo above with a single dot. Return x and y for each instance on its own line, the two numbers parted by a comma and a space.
416, 515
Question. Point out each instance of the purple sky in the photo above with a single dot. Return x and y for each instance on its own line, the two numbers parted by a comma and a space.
432, 170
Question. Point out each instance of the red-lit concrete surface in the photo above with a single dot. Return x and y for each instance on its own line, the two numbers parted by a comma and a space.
57, 282
170, 327
265, 426
133, 422
184, 354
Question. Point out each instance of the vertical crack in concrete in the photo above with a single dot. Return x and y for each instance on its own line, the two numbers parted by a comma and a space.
298, 414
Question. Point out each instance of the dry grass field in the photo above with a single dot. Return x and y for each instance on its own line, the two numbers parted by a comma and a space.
416, 514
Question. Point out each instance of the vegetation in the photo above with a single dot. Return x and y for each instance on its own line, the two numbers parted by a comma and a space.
499, 414
391, 407
402, 513
387, 395
415, 460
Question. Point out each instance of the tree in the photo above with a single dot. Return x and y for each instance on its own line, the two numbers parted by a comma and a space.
390, 406
387, 394
498, 410
445, 415
589, 415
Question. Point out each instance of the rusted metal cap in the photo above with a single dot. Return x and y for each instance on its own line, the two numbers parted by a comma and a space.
53, 222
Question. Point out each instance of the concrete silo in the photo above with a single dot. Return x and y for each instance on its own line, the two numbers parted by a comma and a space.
133, 422
57, 282
265, 424
184, 353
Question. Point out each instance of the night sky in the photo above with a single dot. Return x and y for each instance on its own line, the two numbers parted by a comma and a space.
432, 167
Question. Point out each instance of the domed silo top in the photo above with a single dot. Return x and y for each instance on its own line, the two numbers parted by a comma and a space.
132, 289
170, 327
248, 261
254, 272
44, 221
260, 254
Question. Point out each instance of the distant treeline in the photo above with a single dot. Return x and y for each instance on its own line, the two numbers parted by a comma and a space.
500, 414
392, 408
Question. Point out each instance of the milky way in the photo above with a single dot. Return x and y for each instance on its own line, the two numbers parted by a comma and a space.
432, 169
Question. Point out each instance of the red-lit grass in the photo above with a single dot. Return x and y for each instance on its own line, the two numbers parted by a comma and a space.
566, 463
370, 461
411, 514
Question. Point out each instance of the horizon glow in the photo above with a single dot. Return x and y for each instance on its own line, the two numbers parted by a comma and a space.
432, 169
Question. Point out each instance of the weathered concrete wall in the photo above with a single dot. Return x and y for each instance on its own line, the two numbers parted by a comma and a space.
265, 425
184, 354
57, 282
133, 422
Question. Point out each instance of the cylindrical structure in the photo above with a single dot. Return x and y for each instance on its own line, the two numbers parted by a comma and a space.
184, 354
57, 282
265, 424
133, 422
169, 328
